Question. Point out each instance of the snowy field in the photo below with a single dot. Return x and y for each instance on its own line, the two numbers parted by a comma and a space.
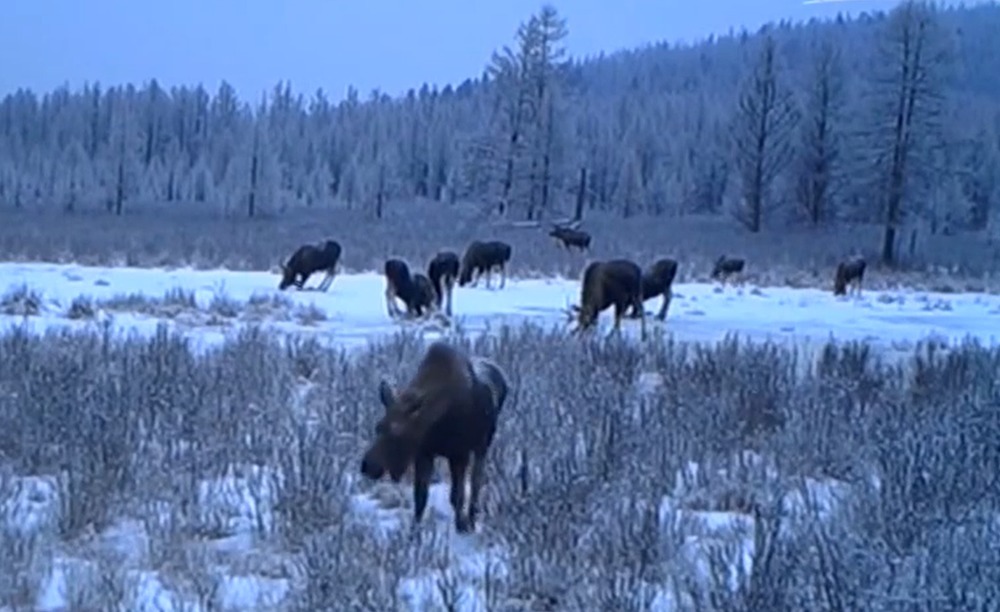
353, 311
237, 507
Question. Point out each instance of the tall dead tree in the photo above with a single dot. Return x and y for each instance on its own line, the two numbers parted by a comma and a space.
525, 81
819, 153
765, 119
908, 97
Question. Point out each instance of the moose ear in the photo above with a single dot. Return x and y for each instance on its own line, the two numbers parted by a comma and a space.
385, 394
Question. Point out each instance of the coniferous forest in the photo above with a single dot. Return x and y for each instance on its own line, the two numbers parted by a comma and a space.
888, 120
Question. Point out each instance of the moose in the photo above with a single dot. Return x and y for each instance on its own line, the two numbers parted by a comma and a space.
848, 272
658, 279
309, 259
443, 272
415, 290
726, 267
449, 409
618, 283
482, 258
570, 237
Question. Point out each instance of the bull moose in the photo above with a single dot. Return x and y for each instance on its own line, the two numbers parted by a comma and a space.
449, 409
726, 267
571, 237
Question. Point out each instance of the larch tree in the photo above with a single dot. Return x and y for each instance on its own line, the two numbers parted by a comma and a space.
526, 85
820, 135
908, 102
765, 120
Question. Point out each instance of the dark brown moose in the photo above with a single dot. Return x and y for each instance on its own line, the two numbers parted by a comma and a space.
618, 283
658, 280
449, 409
725, 267
443, 272
850, 272
482, 258
415, 290
309, 259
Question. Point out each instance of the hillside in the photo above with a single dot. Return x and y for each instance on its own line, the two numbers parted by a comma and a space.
660, 131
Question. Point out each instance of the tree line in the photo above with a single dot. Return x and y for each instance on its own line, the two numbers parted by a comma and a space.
886, 118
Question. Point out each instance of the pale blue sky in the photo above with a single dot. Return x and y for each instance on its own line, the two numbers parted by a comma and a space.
331, 44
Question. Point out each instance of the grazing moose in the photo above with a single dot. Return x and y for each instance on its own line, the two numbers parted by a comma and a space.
658, 279
449, 409
414, 290
309, 259
443, 272
848, 272
571, 237
617, 283
483, 257
726, 267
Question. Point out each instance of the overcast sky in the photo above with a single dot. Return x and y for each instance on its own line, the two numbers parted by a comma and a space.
392, 45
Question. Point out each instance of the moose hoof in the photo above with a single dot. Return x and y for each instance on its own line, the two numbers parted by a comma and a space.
463, 524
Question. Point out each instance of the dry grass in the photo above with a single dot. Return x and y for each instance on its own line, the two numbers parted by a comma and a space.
417, 230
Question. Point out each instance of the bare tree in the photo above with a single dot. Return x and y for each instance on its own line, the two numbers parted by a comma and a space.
820, 144
909, 98
765, 119
527, 89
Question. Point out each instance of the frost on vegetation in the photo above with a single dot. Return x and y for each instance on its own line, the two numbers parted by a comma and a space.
22, 301
82, 307
577, 476
30, 506
271, 306
171, 304
309, 314
224, 306
242, 500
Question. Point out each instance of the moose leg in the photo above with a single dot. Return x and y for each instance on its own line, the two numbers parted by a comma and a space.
458, 467
390, 301
503, 276
617, 327
423, 467
667, 296
449, 288
330, 274
305, 277
642, 318
478, 477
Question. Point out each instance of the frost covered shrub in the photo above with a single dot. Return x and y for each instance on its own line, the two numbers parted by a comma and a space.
587, 447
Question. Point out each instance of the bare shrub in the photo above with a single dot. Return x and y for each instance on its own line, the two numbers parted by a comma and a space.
582, 461
224, 306
182, 236
82, 307
21, 301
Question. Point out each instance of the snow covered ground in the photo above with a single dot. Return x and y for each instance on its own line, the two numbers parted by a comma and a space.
353, 310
